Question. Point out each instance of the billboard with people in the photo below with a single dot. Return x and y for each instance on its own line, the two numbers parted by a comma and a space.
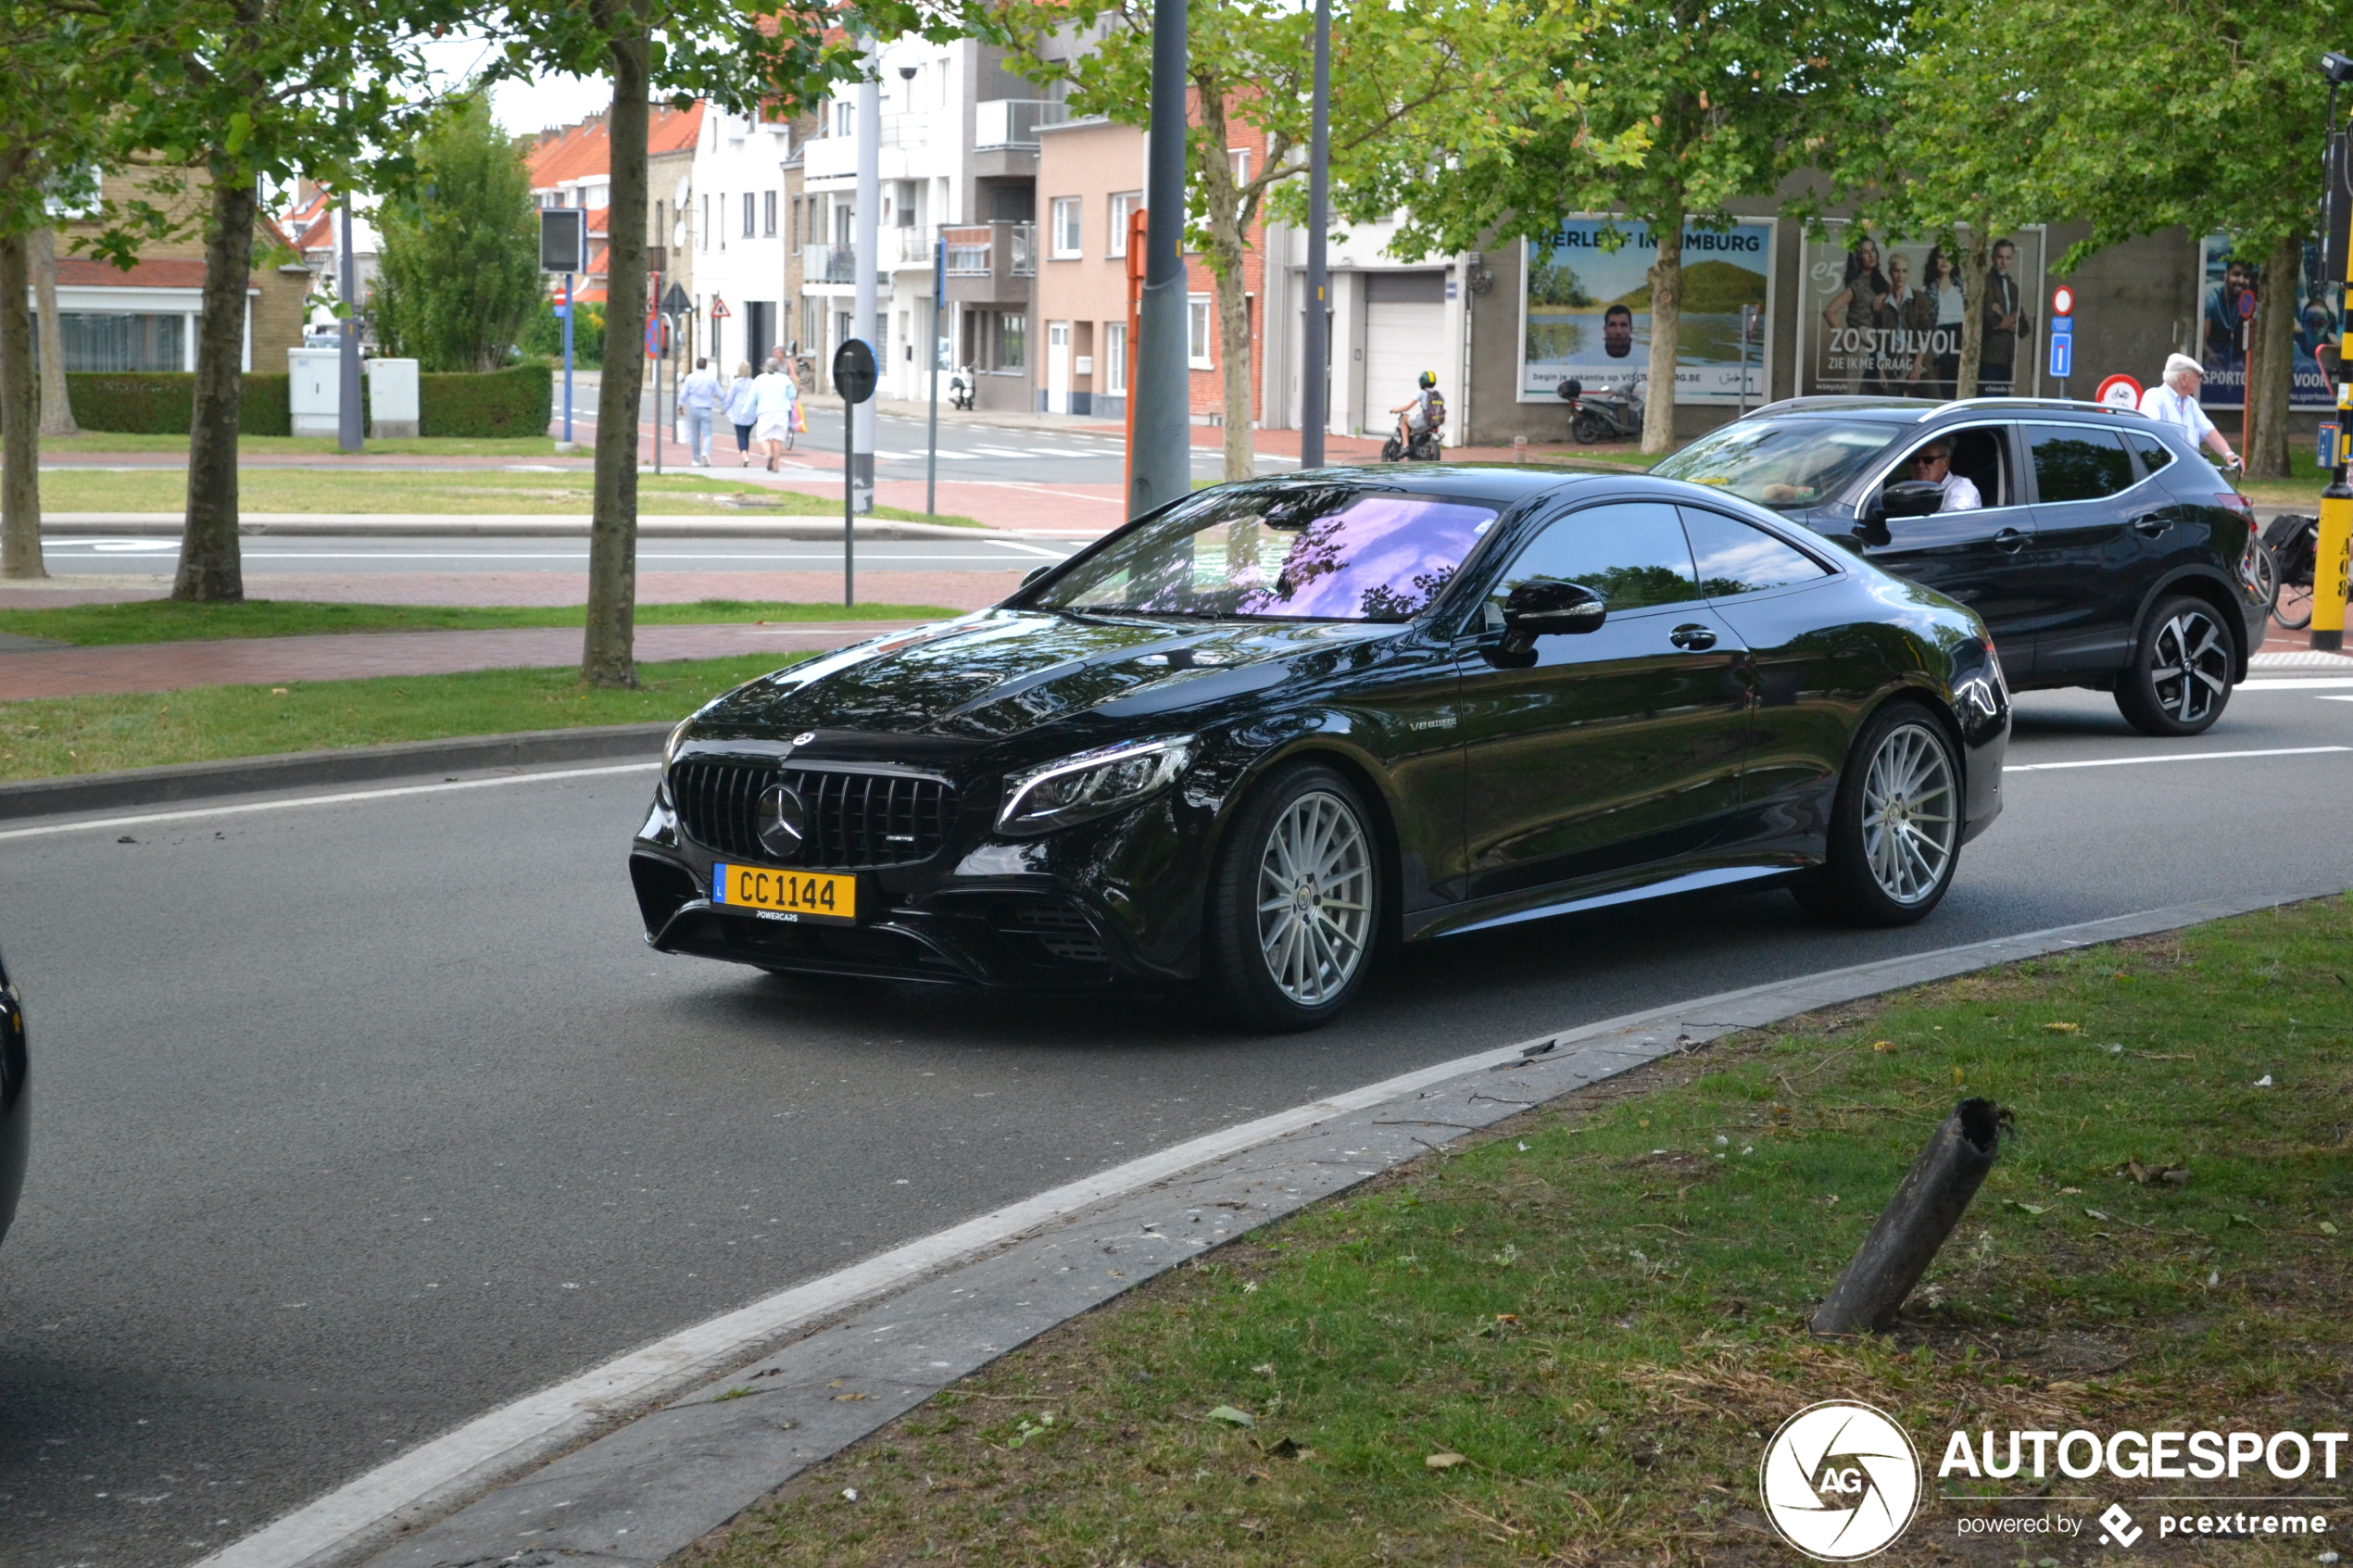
1585, 308
2228, 291
1882, 318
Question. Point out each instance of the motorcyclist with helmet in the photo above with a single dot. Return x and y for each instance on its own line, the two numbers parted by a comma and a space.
1421, 417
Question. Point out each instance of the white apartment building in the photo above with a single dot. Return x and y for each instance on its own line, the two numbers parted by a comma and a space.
737, 226
1389, 321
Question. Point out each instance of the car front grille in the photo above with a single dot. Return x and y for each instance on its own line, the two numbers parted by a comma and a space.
849, 820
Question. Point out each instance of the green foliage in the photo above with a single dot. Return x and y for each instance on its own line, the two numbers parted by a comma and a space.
544, 337
516, 401
461, 269
163, 402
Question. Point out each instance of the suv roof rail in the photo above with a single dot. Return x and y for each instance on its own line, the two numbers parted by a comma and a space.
1823, 403
2071, 405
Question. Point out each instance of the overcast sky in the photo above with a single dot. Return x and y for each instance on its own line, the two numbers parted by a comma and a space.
522, 107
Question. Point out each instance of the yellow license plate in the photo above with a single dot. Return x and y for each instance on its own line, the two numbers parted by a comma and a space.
796, 896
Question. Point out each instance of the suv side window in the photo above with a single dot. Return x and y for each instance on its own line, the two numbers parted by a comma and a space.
1738, 558
1632, 553
1979, 453
2154, 454
2078, 463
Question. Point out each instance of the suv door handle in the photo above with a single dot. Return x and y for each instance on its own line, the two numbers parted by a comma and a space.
1692, 637
2152, 523
2010, 539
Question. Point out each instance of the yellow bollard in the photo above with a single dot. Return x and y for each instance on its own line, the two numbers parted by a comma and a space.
2329, 563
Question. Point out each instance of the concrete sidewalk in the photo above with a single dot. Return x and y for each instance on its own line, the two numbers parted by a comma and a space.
242, 661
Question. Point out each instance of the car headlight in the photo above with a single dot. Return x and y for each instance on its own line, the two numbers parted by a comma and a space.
1091, 783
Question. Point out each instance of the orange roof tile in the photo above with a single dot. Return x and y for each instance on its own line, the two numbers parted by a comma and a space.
674, 130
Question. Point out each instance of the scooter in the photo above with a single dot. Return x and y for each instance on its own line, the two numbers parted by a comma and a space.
1425, 448
961, 387
1604, 416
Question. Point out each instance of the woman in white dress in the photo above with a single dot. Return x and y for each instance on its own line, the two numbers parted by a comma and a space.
774, 395
740, 407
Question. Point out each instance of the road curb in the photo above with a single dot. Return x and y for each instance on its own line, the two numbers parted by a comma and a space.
655, 1450
302, 770
503, 525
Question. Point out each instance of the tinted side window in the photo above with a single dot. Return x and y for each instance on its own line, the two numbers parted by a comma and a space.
2154, 454
2077, 463
1631, 553
1737, 558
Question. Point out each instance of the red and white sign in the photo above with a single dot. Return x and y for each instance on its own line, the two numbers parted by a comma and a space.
718, 311
2119, 392
2062, 301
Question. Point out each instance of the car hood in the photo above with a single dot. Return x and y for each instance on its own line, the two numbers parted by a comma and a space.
1002, 672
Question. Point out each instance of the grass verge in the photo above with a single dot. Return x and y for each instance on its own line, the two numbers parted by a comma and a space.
100, 442
167, 620
1599, 1311
363, 491
58, 738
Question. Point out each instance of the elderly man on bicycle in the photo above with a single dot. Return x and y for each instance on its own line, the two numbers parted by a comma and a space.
2175, 402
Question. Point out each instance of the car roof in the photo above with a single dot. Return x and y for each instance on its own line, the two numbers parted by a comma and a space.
1920, 410
1507, 482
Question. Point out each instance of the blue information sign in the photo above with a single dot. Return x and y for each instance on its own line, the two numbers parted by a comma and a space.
2062, 326
2062, 355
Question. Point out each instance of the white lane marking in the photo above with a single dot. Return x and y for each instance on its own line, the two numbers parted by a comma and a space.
1031, 550
885, 554
2174, 756
2337, 699
2295, 683
1042, 490
343, 798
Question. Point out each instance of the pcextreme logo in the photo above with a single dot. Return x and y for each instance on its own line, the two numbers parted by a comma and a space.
1840, 1481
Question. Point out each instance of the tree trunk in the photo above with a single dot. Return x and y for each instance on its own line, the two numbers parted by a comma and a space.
210, 568
57, 403
19, 422
1977, 262
1666, 325
2271, 363
608, 653
1233, 348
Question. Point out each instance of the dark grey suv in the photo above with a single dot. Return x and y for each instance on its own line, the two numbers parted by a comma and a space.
2102, 550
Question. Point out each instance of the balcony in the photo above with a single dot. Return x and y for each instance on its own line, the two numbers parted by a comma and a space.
1013, 123
828, 264
968, 251
1024, 249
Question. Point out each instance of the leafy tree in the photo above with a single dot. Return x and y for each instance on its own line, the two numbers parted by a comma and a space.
1732, 98
737, 53
460, 275
1400, 77
233, 91
545, 335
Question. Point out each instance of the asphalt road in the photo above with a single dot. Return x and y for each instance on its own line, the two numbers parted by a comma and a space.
354, 1121
159, 556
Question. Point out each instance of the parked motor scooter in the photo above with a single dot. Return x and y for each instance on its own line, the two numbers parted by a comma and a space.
1604, 416
961, 387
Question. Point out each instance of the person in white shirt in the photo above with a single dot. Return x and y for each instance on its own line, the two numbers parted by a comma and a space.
774, 395
1934, 463
742, 407
2175, 402
699, 394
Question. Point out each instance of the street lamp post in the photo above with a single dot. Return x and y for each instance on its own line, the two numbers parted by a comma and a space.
1160, 457
1315, 367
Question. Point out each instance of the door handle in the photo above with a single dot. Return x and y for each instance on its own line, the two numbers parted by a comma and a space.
2010, 539
1692, 637
2152, 524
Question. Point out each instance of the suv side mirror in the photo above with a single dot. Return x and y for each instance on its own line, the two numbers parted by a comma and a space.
1909, 497
1034, 574
1545, 607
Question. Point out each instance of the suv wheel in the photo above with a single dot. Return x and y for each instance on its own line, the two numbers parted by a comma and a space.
1896, 827
1295, 906
2179, 681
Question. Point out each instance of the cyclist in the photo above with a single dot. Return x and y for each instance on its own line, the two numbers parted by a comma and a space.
2175, 402
1425, 411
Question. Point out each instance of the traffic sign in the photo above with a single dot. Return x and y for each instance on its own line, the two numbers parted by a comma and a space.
563, 240
657, 336
718, 311
675, 301
854, 371
2062, 301
2247, 304
2062, 356
2062, 326
2119, 392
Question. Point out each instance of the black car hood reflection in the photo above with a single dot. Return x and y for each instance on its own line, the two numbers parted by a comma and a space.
1001, 673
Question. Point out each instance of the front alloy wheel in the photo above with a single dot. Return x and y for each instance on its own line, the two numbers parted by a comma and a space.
1895, 825
2180, 679
1294, 908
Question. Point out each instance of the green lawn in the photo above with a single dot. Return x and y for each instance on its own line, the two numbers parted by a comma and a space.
380, 490
51, 737
308, 446
1599, 1314
163, 620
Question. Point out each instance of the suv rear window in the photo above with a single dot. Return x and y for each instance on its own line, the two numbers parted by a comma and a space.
1783, 463
2154, 454
2078, 463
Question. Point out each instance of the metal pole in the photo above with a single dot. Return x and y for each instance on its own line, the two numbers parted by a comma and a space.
1314, 369
848, 502
938, 291
568, 308
868, 259
664, 341
347, 422
1748, 313
1161, 454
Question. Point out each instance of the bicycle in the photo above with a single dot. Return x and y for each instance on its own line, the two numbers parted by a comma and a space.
2292, 542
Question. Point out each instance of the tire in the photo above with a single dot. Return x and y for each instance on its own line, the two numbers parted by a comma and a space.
2179, 681
1266, 967
1391, 449
1586, 429
1895, 825
2262, 570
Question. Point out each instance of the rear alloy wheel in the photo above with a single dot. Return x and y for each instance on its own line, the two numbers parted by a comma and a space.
2180, 678
1294, 908
1896, 827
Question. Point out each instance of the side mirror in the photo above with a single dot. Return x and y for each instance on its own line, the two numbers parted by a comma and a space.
1909, 497
1034, 574
1545, 607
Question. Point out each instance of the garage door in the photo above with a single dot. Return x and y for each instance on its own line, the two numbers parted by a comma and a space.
1404, 334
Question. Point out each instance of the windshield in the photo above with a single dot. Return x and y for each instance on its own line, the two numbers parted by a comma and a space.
1319, 552
1800, 463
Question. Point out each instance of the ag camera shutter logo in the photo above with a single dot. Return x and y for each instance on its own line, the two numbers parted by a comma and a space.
1840, 1481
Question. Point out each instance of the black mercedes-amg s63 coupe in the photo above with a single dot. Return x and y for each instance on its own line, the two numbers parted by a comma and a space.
1256, 738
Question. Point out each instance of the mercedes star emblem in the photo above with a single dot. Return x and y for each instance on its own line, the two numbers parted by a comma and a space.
780, 821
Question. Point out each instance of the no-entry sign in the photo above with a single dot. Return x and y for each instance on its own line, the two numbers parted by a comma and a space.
2062, 301
2119, 392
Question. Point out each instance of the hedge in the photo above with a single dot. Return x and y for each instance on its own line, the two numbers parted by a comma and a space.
519, 401
516, 401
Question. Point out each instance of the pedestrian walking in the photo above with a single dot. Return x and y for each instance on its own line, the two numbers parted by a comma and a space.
2175, 401
699, 394
742, 406
773, 397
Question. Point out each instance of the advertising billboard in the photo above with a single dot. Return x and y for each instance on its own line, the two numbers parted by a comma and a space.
2225, 326
1585, 308
1882, 319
